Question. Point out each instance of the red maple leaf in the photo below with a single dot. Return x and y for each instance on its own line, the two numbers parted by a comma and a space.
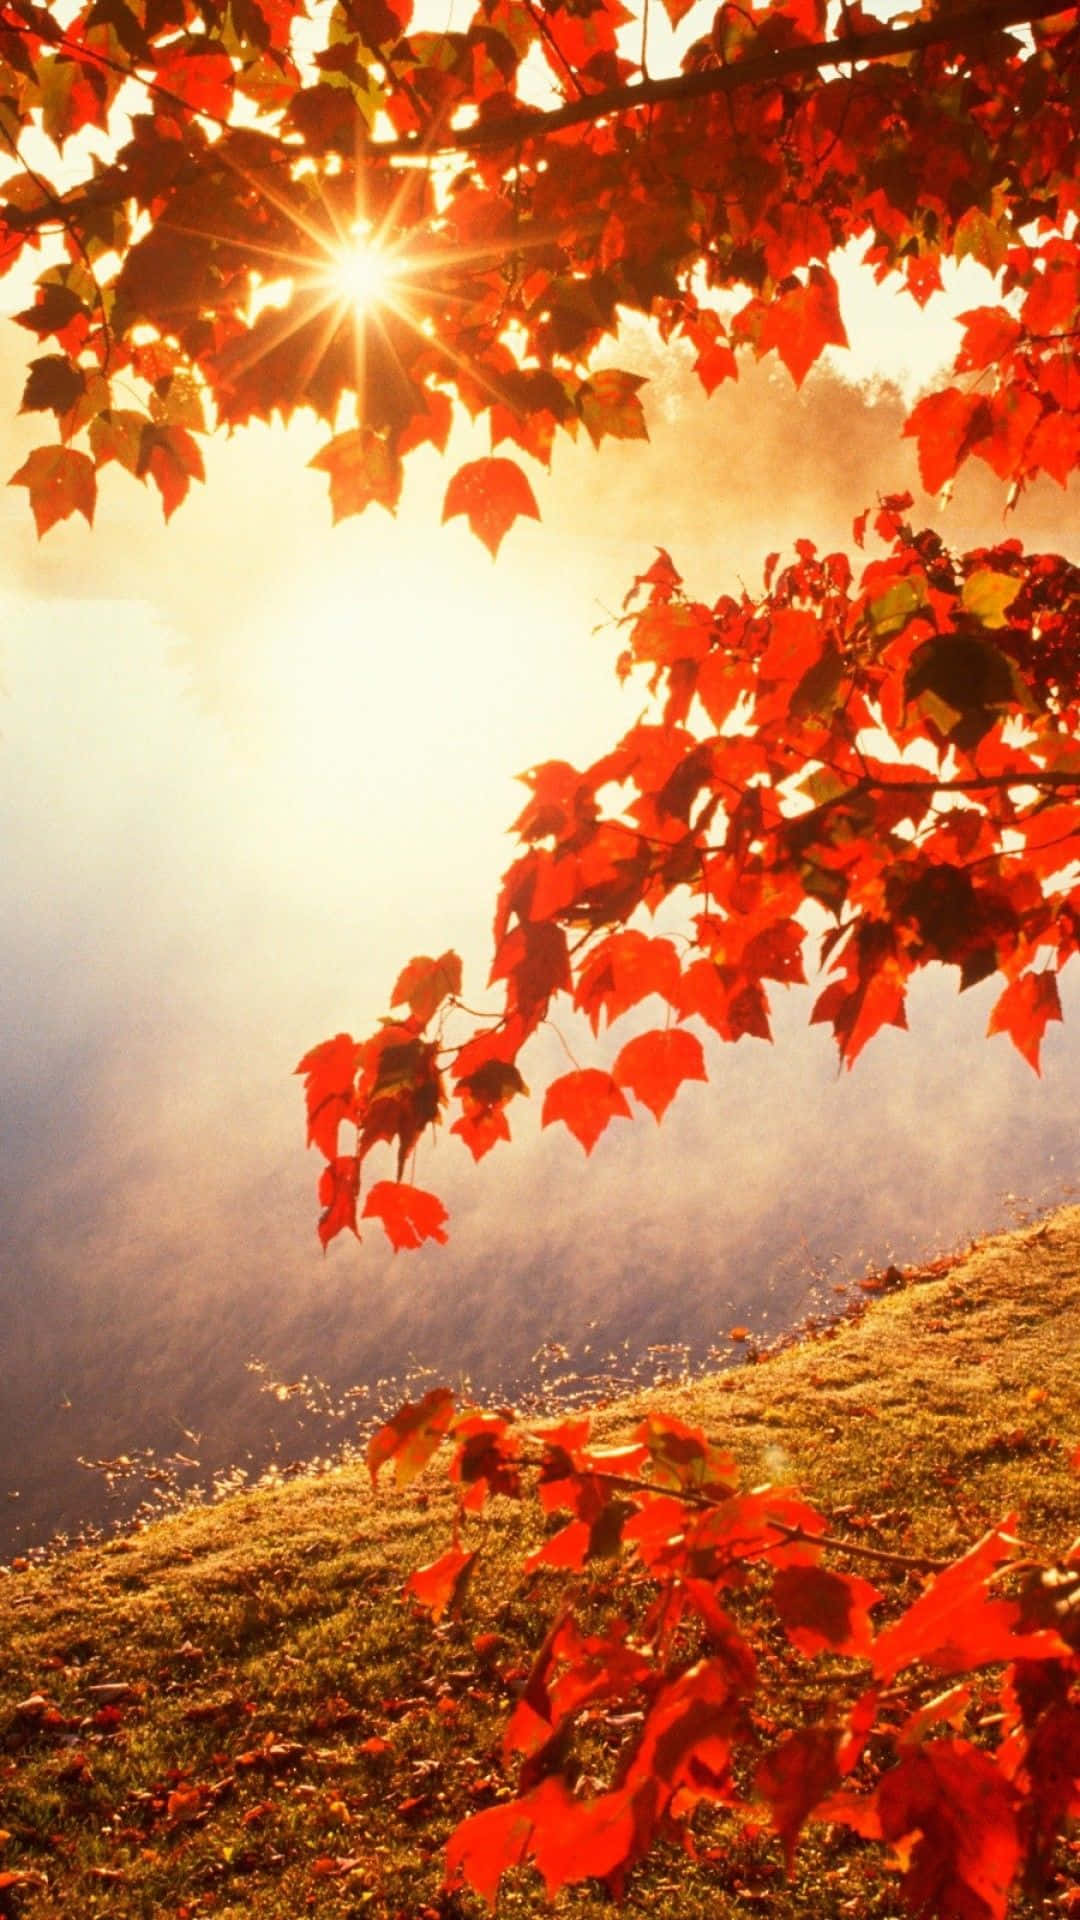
491, 493
363, 469
824, 1611
61, 481
172, 459
954, 1813
409, 1215
339, 1188
946, 425
1023, 1011
585, 1101
411, 1437
956, 1626
440, 1586
330, 1073
796, 1776
801, 321
654, 1066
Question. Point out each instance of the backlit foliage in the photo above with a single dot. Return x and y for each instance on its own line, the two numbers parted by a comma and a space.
884, 745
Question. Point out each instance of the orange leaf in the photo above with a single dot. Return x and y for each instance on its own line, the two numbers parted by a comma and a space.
172, 459
487, 1844
795, 1776
411, 1437
330, 1071
339, 1189
198, 72
362, 469
945, 425
824, 1611
654, 1066
955, 1626
440, 1586
409, 1215
1023, 1012
491, 493
950, 1812
585, 1101
60, 482
802, 321
424, 984
609, 405
623, 970
481, 1127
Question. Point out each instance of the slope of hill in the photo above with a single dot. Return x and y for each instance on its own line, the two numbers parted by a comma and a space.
233, 1712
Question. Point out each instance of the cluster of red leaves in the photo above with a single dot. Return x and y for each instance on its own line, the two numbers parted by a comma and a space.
893, 754
678, 1659
259, 140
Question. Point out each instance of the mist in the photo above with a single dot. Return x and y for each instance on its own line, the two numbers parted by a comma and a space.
249, 764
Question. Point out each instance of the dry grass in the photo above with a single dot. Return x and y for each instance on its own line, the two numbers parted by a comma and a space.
293, 1741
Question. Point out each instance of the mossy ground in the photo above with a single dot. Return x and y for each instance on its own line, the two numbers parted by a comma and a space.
285, 1737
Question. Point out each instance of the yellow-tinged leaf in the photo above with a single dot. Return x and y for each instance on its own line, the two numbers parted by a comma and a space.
412, 1436
362, 469
116, 434
988, 595
609, 406
890, 611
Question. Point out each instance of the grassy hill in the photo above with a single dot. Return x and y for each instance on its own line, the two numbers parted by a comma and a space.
234, 1713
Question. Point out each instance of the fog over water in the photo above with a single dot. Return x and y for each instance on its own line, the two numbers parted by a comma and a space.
248, 766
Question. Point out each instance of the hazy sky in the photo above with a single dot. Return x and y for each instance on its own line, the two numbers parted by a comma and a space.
250, 763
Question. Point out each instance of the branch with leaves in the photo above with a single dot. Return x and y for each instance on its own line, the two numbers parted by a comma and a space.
886, 763
664, 1689
262, 156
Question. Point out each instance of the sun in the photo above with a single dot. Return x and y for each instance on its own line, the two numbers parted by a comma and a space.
362, 272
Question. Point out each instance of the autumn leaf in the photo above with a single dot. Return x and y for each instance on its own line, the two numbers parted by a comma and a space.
330, 1073
609, 405
623, 970
424, 984
1024, 1010
198, 72
409, 1215
61, 481
681, 1456
952, 1817
654, 1065
491, 493
801, 321
53, 385
411, 1437
946, 425
439, 1587
339, 1188
988, 595
795, 1776
488, 1844
172, 459
825, 1612
956, 1626
363, 468
584, 1101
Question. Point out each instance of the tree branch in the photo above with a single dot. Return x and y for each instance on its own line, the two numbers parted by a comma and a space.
953, 29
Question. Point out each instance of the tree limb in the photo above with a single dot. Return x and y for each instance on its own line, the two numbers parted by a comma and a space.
945, 28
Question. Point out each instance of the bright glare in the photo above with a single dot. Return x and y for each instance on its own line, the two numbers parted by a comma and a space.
362, 273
